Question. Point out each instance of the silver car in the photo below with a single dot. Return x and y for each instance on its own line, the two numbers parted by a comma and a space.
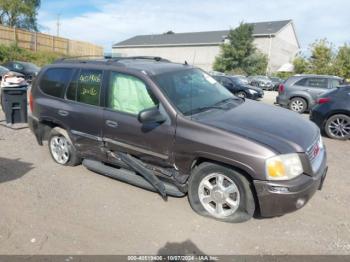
299, 92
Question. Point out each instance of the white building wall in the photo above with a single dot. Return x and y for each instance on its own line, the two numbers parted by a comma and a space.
283, 48
201, 56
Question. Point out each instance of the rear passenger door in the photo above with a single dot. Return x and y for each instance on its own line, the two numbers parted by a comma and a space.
317, 86
53, 84
127, 96
84, 112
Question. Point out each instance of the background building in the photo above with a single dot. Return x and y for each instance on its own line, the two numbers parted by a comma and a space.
277, 39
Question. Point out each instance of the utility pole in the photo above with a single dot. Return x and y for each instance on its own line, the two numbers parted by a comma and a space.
58, 24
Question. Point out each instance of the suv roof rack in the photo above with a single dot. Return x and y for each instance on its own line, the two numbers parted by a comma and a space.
152, 58
108, 59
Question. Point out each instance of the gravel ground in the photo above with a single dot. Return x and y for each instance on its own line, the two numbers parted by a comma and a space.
49, 209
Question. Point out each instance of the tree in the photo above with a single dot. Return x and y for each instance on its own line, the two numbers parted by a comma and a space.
322, 58
301, 65
342, 62
19, 13
239, 53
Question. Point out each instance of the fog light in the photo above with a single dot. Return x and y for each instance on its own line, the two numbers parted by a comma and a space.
300, 202
279, 189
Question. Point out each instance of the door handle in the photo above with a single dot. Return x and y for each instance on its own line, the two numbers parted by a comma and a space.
63, 112
112, 124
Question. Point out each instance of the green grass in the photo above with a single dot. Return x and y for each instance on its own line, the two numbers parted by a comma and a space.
15, 53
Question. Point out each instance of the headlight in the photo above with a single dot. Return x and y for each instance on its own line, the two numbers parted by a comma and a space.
253, 92
283, 167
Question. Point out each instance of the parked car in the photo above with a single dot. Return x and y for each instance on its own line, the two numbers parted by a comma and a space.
237, 87
261, 81
276, 81
299, 92
173, 129
243, 79
29, 70
332, 113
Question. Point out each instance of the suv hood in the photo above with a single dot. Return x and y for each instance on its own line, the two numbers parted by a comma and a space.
280, 129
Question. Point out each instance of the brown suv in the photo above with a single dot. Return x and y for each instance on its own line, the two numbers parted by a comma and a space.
173, 129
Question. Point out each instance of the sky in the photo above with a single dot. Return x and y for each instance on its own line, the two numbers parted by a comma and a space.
105, 22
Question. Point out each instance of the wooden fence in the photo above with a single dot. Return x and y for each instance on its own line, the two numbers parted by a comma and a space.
43, 42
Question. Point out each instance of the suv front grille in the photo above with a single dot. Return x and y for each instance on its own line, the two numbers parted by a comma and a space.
314, 150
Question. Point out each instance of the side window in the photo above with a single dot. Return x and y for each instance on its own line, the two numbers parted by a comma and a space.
86, 87
55, 80
317, 82
302, 82
129, 94
227, 82
335, 83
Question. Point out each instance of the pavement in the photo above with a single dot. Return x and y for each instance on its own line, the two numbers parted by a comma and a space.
49, 209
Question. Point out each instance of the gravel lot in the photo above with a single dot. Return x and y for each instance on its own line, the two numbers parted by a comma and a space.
49, 209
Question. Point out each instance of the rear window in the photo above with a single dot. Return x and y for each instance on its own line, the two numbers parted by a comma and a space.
55, 80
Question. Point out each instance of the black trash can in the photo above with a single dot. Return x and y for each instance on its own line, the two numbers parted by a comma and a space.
14, 104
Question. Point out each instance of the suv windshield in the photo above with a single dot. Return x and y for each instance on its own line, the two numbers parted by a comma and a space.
192, 90
31, 67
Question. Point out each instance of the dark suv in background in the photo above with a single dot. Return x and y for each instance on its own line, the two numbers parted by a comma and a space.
299, 92
173, 129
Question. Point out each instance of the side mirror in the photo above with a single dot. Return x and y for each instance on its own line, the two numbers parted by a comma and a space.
151, 115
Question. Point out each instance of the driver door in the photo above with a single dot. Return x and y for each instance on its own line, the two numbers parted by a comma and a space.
127, 96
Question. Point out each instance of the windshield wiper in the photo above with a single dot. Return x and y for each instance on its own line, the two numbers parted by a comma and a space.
204, 108
227, 100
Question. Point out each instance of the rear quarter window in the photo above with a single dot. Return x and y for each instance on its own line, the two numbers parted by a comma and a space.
55, 80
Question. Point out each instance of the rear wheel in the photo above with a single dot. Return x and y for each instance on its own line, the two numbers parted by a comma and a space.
61, 150
221, 193
298, 105
338, 127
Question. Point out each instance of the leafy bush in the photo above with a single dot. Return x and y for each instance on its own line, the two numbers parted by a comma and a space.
15, 53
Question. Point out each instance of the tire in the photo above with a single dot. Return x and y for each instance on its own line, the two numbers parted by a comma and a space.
244, 206
59, 145
338, 127
298, 105
241, 94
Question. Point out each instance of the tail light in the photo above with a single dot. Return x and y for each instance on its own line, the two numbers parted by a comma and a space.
281, 88
323, 100
31, 102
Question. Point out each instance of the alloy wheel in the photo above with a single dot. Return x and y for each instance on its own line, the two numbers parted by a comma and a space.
339, 127
219, 195
59, 149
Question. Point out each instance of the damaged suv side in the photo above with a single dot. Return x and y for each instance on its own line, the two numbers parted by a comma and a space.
171, 128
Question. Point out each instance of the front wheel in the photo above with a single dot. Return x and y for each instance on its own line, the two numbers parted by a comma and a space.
338, 127
221, 193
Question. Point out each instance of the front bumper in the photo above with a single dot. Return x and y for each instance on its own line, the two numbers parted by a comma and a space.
280, 197
255, 96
